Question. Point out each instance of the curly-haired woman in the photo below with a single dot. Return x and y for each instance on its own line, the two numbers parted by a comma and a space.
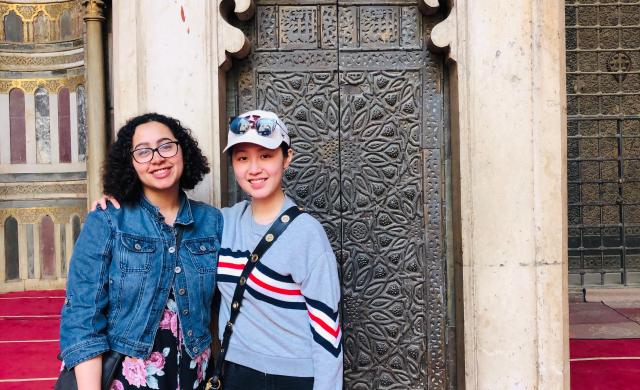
142, 277
287, 335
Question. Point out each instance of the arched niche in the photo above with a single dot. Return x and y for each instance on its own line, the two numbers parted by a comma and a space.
43, 126
17, 130
47, 247
13, 30
64, 125
66, 26
41, 28
11, 249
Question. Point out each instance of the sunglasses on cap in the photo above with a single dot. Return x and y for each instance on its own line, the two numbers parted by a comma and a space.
263, 126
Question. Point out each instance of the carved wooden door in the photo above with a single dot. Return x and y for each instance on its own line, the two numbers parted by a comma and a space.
363, 99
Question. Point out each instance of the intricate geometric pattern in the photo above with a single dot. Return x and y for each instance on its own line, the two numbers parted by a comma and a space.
603, 147
366, 125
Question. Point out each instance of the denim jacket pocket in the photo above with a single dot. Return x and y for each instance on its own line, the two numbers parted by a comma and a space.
203, 253
135, 253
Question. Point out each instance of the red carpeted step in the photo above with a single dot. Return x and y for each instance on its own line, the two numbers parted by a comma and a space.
29, 329
605, 375
34, 293
604, 348
30, 306
29, 360
605, 364
24, 316
28, 385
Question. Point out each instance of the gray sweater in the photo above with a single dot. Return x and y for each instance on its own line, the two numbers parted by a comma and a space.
288, 323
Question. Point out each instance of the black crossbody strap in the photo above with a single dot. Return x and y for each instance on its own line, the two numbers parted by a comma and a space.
278, 226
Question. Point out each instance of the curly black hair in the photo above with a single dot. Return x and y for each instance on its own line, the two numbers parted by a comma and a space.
119, 177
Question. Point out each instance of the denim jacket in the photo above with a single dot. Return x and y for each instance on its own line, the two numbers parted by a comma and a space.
122, 270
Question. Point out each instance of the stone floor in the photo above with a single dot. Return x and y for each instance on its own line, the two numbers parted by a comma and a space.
606, 314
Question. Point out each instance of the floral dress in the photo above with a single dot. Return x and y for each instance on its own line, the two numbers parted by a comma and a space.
169, 366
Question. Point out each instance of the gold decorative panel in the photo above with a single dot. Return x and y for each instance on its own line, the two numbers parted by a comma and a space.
30, 85
24, 61
33, 215
42, 21
27, 11
14, 189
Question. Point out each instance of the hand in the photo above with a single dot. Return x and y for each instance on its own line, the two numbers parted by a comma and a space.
102, 202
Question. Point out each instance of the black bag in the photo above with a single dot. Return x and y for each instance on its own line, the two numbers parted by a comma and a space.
110, 362
278, 226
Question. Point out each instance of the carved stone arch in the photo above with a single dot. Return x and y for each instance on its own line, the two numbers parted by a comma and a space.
363, 100
233, 41
443, 38
11, 249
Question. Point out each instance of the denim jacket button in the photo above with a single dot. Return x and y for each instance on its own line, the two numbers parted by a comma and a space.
190, 333
195, 349
137, 246
185, 312
203, 248
172, 249
181, 291
178, 269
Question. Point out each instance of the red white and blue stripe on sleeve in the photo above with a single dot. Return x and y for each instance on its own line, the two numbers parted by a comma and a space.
325, 326
266, 285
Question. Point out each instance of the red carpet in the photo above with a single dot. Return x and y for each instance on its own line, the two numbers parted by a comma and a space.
605, 364
29, 344
29, 339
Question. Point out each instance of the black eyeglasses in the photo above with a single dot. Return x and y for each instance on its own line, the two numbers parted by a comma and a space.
145, 155
264, 126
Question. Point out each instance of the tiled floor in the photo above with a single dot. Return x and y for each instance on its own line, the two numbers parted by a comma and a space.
599, 321
607, 314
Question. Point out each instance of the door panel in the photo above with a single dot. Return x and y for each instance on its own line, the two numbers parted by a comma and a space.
366, 120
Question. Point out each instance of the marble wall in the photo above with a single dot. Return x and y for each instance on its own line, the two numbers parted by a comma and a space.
43, 137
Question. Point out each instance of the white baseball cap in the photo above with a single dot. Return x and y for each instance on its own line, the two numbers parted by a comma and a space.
258, 127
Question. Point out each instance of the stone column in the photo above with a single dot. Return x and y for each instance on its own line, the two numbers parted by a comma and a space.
96, 97
509, 140
170, 58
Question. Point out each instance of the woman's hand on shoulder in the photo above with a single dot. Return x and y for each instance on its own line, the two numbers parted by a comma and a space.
102, 202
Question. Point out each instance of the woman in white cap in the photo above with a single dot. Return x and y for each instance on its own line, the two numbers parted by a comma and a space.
287, 334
